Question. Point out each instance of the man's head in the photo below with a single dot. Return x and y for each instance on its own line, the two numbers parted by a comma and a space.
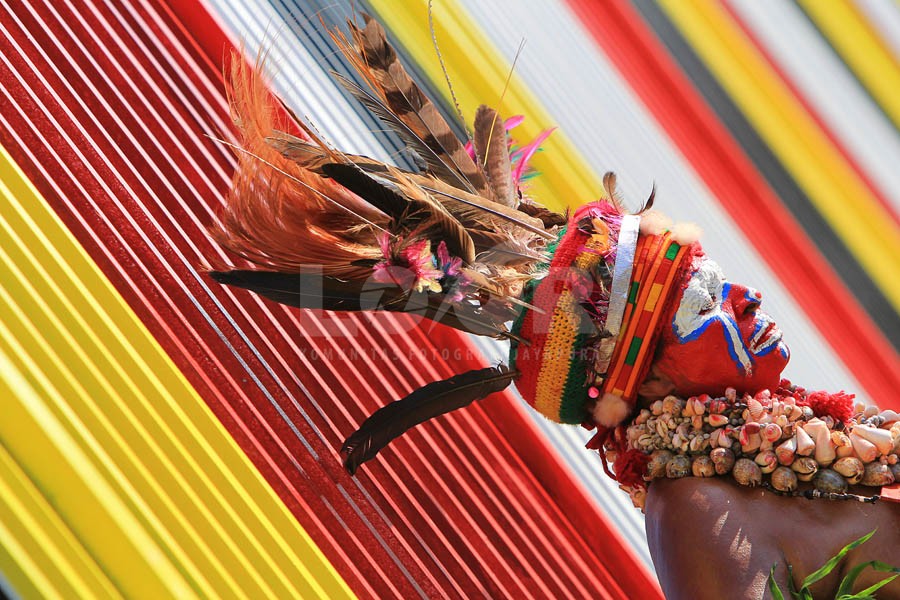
718, 337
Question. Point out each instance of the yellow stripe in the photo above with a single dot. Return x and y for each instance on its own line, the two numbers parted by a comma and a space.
556, 356
33, 539
653, 297
861, 48
116, 440
831, 184
478, 73
564, 329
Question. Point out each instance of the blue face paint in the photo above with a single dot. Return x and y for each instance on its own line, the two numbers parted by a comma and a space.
702, 304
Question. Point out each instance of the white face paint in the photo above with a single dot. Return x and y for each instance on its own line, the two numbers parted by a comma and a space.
706, 299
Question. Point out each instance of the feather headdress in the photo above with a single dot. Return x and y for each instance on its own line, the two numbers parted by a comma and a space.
456, 242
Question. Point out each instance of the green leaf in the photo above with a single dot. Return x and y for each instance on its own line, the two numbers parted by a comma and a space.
792, 588
773, 586
869, 591
849, 580
829, 566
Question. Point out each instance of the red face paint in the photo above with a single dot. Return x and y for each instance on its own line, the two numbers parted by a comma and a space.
718, 338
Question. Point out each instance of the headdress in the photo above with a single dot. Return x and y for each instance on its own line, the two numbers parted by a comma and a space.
455, 242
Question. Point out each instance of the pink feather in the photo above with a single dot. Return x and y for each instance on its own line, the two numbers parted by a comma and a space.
525, 153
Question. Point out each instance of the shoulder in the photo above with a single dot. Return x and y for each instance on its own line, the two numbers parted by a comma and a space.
736, 534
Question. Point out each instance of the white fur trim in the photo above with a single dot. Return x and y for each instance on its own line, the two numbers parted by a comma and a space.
610, 410
686, 233
654, 223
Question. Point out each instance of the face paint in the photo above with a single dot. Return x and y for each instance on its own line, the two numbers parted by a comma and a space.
719, 338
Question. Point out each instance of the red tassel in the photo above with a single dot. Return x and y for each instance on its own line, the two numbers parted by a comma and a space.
838, 406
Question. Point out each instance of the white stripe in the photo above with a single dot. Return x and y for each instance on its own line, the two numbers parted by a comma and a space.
618, 294
884, 16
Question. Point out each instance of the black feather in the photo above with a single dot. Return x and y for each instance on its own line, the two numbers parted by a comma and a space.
385, 199
432, 400
315, 291
406, 211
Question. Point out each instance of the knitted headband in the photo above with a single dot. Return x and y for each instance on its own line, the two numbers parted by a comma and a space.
574, 352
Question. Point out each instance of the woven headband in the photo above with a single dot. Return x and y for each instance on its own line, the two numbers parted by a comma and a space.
563, 363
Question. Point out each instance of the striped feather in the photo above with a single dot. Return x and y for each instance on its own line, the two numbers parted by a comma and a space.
379, 64
471, 210
492, 153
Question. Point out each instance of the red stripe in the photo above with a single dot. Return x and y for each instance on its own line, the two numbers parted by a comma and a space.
114, 141
620, 31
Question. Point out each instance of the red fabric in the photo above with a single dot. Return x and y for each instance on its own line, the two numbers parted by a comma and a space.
535, 325
838, 406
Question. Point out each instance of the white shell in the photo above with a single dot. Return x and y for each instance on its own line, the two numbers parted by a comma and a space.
818, 430
880, 438
772, 432
757, 410
717, 420
890, 417
787, 451
805, 444
864, 449
767, 461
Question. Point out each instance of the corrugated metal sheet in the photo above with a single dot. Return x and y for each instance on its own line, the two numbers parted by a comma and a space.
844, 107
110, 105
816, 165
112, 102
855, 40
627, 108
122, 481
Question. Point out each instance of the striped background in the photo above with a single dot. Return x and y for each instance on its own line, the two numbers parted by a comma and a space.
165, 437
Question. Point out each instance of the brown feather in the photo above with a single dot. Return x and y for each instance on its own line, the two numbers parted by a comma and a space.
278, 215
474, 212
379, 64
547, 217
493, 154
434, 163
409, 206
609, 184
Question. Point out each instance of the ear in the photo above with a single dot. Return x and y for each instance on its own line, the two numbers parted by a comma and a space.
656, 386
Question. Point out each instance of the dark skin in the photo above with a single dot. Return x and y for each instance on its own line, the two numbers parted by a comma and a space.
711, 538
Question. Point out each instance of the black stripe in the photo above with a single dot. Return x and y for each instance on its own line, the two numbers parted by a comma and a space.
804, 211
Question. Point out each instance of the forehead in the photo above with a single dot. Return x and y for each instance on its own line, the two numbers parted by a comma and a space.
706, 279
